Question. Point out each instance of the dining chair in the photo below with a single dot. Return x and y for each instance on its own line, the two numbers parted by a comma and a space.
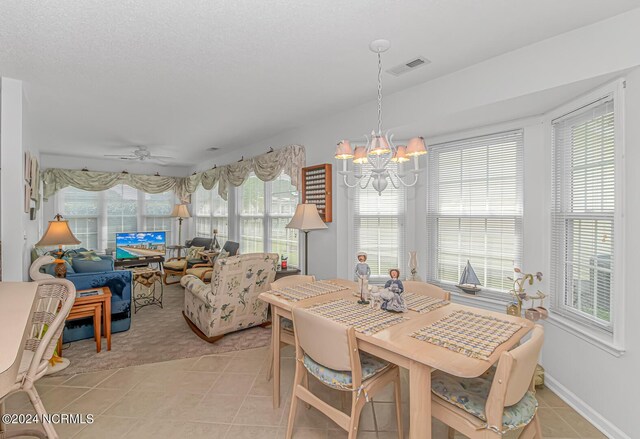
430, 290
329, 351
286, 325
54, 300
501, 400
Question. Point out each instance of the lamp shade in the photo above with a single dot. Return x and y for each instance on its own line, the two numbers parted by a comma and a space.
306, 218
58, 233
400, 155
379, 146
360, 156
344, 151
416, 147
180, 211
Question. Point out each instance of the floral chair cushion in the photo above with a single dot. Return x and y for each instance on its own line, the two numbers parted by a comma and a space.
470, 394
176, 265
341, 380
286, 324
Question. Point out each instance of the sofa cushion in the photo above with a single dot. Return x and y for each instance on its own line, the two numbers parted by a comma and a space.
342, 380
90, 255
470, 394
81, 265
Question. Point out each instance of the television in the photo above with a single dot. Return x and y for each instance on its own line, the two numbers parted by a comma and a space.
140, 245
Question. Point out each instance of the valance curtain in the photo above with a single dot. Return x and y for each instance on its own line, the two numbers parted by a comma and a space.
290, 160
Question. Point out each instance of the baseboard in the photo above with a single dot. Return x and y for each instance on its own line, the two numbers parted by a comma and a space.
585, 410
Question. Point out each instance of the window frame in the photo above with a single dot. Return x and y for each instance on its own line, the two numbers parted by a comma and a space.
612, 340
432, 216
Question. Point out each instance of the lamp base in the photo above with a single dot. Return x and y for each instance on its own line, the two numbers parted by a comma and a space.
60, 269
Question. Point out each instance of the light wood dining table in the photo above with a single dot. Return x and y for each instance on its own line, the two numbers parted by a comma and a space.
17, 301
395, 344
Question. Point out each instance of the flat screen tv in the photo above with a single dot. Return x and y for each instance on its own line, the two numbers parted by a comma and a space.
140, 245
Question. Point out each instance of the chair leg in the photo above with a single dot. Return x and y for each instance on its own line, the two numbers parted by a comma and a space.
40, 410
270, 369
537, 427
357, 404
298, 378
451, 433
398, 396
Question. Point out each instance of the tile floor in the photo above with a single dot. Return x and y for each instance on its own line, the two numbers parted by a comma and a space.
228, 396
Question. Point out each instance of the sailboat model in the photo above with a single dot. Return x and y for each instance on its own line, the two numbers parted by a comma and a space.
469, 281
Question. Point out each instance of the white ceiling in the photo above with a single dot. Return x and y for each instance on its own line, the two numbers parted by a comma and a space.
183, 76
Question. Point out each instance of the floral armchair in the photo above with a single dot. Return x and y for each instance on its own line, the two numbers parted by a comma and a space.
230, 302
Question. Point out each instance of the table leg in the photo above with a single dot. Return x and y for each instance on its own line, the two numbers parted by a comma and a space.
420, 401
275, 348
107, 321
97, 326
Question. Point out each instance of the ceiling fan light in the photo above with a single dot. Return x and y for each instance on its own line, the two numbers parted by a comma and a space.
400, 156
416, 147
343, 150
360, 155
379, 146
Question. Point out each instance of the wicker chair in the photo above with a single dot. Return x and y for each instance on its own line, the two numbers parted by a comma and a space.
55, 298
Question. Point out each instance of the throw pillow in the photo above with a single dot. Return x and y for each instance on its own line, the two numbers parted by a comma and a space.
193, 252
223, 254
90, 256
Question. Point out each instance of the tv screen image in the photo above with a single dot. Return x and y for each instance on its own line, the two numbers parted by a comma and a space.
140, 245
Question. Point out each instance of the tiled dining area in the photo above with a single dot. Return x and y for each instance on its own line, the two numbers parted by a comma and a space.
228, 396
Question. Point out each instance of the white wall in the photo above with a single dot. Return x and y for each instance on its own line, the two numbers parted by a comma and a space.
94, 164
11, 180
601, 386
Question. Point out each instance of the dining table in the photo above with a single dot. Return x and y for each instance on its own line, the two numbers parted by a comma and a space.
396, 345
17, 302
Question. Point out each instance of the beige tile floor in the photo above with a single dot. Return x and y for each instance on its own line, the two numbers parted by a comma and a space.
228, 396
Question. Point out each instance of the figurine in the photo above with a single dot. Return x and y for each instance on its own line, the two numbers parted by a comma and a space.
362, 273
392, 299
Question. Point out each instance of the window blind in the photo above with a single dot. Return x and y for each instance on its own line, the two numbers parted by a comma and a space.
283, 201
211, 212
251, 215
378, 228
82, 209
157, 211
583, 212
121, 212
474, 208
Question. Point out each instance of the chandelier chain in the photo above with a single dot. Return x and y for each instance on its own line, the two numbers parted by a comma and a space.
379, 94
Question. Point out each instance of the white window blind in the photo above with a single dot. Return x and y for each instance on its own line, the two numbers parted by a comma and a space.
251, 215
211, 212
121, 212
583, 212
378, 228
157, 211
82, 209
475, 208
284, 199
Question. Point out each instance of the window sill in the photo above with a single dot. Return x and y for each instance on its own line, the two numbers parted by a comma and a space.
591, 336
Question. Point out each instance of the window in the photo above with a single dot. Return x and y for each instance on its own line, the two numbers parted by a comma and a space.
255, 216
284, 199
157, 211
583, 212
82, 209
475, 208
379, 228
211, 212
96, 217
251, 215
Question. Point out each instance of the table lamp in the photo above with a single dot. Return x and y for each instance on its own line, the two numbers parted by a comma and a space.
181, 212
58, 233
306, 219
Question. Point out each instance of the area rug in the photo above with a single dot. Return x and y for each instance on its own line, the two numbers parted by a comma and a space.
156, 335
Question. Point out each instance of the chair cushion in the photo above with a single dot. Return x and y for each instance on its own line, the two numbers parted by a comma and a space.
175, 265
286, 324
194, 252
341, 380
199, 270
470, 394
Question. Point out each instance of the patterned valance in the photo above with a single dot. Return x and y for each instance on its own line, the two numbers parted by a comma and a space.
290, 160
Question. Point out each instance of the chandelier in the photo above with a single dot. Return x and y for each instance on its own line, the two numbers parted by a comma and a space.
380, 151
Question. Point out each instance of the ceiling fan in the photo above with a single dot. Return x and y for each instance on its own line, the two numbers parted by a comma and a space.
141, 153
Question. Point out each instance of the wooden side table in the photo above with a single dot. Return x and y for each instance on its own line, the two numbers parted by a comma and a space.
288, 272
97, 306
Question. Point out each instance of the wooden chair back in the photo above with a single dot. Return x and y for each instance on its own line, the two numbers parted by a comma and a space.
289, 281
336, 348
430, 290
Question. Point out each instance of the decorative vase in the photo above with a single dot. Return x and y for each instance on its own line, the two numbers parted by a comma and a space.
413, 266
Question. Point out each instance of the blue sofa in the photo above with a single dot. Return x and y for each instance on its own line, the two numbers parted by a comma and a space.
87, 274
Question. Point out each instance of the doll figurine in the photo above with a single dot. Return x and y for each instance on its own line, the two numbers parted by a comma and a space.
362, 273
392, 299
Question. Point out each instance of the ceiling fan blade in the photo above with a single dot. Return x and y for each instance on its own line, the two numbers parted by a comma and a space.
161, 157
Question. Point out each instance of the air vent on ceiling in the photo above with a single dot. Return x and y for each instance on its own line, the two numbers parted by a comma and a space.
213, 148
409, 66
